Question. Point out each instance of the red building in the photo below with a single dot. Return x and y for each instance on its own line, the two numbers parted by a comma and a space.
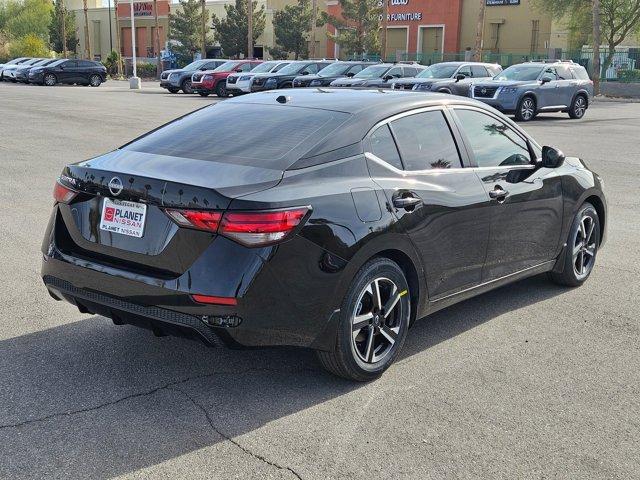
144, 19
414, 27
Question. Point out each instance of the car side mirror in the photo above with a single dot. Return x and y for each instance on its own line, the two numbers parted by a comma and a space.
460, 76
545, 79
238, 70
386, 78
552, 157
304, 73
350, 74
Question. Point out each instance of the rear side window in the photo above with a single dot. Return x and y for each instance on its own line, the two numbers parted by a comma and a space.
478, 71
383, 146
272, 142
580, 72
494, 144
425, 141
564, 73
85, 64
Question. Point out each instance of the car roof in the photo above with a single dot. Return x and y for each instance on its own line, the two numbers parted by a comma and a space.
366, 107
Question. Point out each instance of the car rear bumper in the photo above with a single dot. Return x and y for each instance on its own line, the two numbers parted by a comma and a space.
283, 297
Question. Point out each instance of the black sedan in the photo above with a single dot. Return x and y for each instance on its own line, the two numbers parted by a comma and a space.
330, 73
81, 72
377, 209
284, 77
381, 75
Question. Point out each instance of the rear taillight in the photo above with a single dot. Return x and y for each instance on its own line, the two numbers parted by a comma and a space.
198, 219
62, 194
260, 228
251, 229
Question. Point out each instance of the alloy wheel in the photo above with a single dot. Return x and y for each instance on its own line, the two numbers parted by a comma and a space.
376, 320
584, 247
186, 87
580, 107
527, 109
49, 80
95, 81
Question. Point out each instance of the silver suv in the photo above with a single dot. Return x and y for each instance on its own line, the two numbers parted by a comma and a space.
530, 88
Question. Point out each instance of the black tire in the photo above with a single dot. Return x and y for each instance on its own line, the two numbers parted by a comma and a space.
173, 90
578, 107
444, 90
287, 85
95, 80
204, 94
580, 245
221, 90
49, 80
526, 109
186, 86
355, 350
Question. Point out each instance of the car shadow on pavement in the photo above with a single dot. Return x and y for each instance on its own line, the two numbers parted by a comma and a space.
89, 399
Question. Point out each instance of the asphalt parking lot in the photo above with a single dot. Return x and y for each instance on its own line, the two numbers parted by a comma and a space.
529, 381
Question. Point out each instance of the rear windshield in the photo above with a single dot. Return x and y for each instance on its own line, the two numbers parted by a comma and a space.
255, 135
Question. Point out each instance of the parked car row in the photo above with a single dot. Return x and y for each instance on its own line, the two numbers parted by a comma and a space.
51, 71
523, 90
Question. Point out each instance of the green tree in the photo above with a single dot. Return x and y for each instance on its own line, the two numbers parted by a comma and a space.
291, 27
55, 28
186, 28
357, 28
232, 31
31, 17
619, 18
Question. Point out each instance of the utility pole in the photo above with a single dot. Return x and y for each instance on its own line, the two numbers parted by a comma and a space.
314, 20
477, 55
385, 21
64, 29
596, 47
249, 29
156, 41
87, 44
110, 30
119, 62
203, 51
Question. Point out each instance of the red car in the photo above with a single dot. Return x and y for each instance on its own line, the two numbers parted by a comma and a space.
215, 81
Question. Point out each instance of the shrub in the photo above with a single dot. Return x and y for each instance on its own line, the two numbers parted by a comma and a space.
111, 62
146, 70
629, 75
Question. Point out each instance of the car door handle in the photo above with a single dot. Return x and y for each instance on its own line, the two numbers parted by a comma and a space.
408, 201
499, 194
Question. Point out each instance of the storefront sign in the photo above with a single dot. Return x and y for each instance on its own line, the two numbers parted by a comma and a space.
142, 9
403, 16
495, 3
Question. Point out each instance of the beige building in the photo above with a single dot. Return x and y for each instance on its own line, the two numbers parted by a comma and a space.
509, 27
102, 29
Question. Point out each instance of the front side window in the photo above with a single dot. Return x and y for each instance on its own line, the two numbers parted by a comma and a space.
355, 69
465, 70
425, 141
564, 73
410, 71
550, 73
334, 70
494, 144
439, 70
383, 146
520, 73
372, 72
313, 68
395, 72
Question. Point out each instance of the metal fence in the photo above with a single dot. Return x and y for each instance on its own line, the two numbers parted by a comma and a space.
624, 66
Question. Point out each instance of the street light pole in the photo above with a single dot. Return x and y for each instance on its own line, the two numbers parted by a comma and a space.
134, 82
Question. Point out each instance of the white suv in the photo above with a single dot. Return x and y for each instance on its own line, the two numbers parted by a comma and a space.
241, 82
